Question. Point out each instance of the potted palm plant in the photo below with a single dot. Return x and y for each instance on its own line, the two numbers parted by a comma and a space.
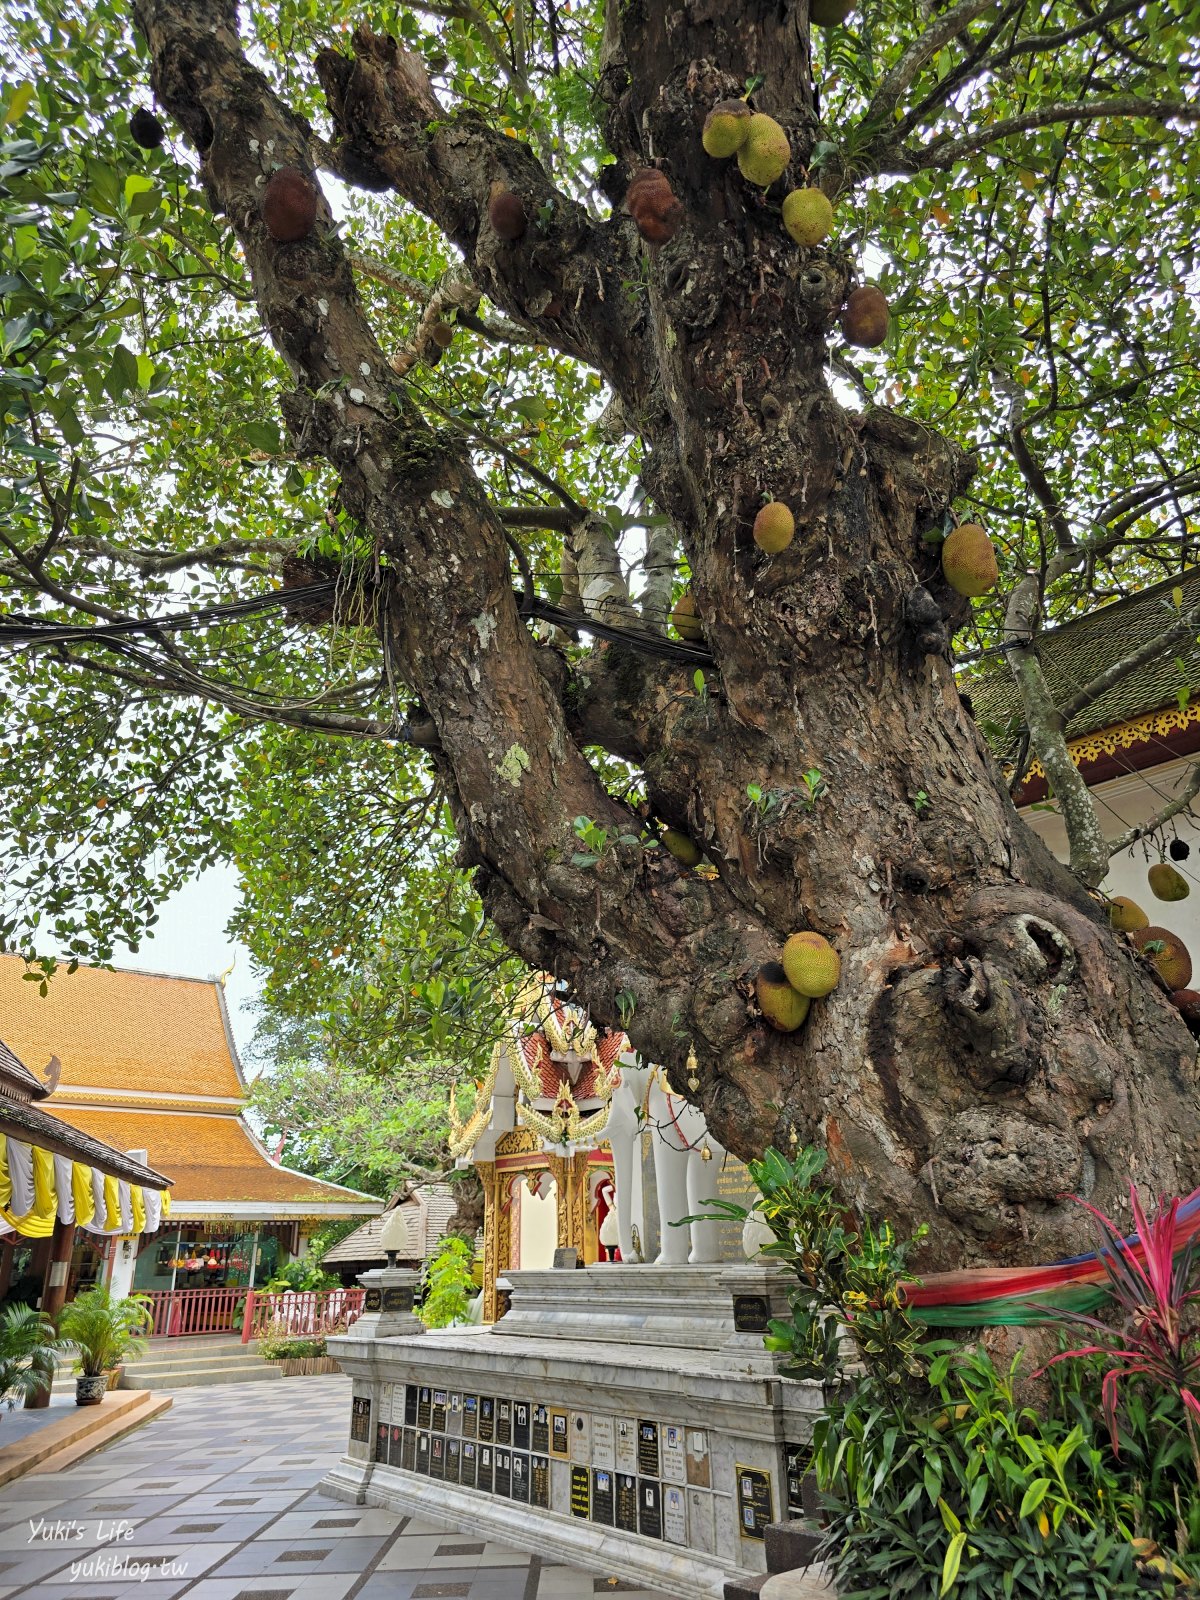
29, 1353
102, 1331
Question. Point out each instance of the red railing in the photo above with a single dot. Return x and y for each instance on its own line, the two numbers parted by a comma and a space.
185, 1311
305, 1313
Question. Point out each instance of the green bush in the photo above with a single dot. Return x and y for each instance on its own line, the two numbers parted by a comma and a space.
30, 1350
448, 1284
285, 1347
104, 1330
300, 1276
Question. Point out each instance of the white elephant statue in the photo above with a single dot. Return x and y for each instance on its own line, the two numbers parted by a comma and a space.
683, 1178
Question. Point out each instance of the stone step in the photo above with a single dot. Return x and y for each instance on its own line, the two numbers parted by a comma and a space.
198, 1377
746, 1586
807, 1583
791, 1544
63, 1440
177, 1360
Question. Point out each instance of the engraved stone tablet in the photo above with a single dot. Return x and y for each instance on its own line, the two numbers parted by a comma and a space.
468, 1462
437, 1456
453, 1453
408, 1450
504, 1421
701, 1530
674, 1514
581, 1437
541, 1430
395, 1446
520, 1476
699, 1468
647, 1449
674, 1455
423, 1453
382, 1434
424, 1405
754, 1501
560, 1441
360, 1419
470, 1426
520, 1436
438, 1419
627, 1503
503, 1478
487, 1418
603, 1448
751, 1313
649, 1509
626, 1444
566, 1256
603, 1496
485, 1476
410, 1405
539, 1482
581, 1496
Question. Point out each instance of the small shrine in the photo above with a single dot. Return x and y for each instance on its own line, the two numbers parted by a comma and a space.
536, 1136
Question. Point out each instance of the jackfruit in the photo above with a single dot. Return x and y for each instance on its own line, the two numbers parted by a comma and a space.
865, 319
1125, 915
811, 964
765, 152
686, 619
289, 205
652, 205
779, 1003
969, 560
1187, 1002
1179, 849
146, 129
1169, 955
685, 850
828, 13
807, 216
1167, 884
506, 213
725, 129
774, 528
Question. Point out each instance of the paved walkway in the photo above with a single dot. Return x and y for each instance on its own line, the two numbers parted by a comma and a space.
217, 1500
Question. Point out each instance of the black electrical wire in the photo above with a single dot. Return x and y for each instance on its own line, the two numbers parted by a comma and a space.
17, 629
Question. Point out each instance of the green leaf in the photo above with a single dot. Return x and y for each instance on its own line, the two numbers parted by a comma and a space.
1033, 1497
950, 1566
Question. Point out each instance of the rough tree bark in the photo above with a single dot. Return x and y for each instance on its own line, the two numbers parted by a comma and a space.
992, 1045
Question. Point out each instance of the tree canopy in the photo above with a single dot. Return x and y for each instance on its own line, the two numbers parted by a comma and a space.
484, 469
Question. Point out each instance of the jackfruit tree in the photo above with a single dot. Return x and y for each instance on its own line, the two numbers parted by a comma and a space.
350, 357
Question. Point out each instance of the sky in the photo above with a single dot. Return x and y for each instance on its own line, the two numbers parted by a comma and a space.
190, 941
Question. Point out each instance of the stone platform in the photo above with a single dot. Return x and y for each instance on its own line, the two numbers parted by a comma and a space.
622, 1418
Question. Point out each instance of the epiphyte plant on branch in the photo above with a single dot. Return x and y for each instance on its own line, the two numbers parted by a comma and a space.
221, 376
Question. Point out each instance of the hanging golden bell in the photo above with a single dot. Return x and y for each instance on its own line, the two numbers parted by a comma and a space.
705, 1153
693, 1070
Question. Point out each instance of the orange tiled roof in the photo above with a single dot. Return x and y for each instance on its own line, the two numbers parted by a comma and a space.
211, 1158
122, 1030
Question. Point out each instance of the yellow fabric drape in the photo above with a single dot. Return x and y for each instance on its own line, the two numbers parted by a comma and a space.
33, 1225
5, 1180
166, 1203
138, 1206
45, 1190
81, 1189
112, 1205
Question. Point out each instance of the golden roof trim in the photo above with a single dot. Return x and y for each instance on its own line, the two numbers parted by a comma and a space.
1124, 735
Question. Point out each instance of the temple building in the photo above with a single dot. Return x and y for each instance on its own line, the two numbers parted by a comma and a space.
1135, 741
145, 1062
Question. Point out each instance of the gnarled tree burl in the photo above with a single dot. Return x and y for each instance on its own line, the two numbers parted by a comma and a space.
992, 1046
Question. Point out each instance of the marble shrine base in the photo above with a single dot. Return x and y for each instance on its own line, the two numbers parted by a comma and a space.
621, 1418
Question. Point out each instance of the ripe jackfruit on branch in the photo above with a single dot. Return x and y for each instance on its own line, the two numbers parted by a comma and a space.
651, 203
807, 216
1125, 915
774, 528
289, 205
778, 1001
765, 152
506, 213
969, 560
1168, 953
812, 965
686, 619
1167, 884
725, 129
865, 319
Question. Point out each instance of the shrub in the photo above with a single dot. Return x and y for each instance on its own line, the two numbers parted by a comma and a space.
29, 1353
104, 1330
448, 1284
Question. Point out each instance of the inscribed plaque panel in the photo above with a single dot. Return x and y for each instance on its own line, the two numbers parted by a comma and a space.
627, 1502
520, 1476
581, 1438
541, 1430
581, 1492
424, 1405
674, 1514
410, 1405
453, 1456
454, 1413
560, 1487
603, 1496
625, 1432
560, 1438
360, 1419
504, 1414
485, 1473
470, 1426
382, 1434
755, 1501
408, 1450
437, 1456
423, 1453
386, 1391
437, 1421
487, 1418
674, 1454
395, 1446
650, 1524
699, 1466
503, 1476
603, 1452
539, 1482
647, 1449
467, 1463
520, 1436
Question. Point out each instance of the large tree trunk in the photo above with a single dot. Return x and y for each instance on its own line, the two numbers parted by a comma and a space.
992, 1047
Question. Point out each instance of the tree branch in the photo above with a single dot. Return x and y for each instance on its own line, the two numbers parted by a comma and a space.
1180, 631
1182, 802
946, 152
